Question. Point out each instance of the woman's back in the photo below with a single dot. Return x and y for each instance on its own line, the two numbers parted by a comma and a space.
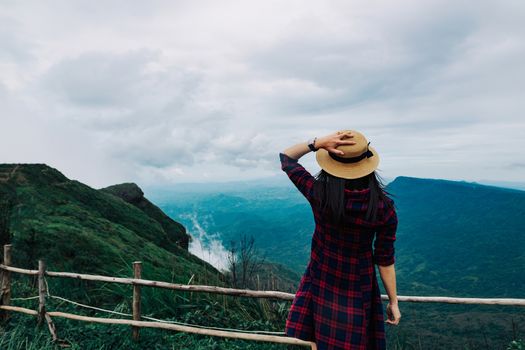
338, 303
356, 228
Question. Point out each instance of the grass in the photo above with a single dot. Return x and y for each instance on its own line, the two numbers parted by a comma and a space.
21, 331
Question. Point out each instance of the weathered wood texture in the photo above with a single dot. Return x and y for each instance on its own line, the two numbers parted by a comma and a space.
5, 284
256, 293
137, 270
173, 327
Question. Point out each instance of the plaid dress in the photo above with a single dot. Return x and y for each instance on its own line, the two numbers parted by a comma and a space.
338, 303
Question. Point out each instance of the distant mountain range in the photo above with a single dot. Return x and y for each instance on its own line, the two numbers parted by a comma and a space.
455, 238
507, 184
162, 192
459, 237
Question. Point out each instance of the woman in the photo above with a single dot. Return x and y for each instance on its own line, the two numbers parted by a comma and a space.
338, 303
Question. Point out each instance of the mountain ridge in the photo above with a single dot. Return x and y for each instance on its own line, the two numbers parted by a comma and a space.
403, 178
465, 219
75, 227
131, 193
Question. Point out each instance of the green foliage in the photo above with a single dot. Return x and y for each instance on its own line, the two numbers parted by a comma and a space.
132, 194
459, 238
190, 308
74, 227
516, 345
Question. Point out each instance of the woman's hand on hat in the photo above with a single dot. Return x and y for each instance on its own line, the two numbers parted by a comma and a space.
332, 141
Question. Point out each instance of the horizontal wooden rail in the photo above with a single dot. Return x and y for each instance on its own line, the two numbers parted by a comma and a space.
18, 270
159, 284
454, 300
256, 293
174, 327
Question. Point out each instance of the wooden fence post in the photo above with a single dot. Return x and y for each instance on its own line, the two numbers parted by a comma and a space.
6, 283
41, 292
137, 272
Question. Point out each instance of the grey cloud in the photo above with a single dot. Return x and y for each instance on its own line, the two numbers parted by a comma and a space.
435, 58
516, 165
3, 91
102, 79
402, 60
154, 119
164, 98
14, 46
126, 90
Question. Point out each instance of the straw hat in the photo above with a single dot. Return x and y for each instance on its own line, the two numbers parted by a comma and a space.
359, 159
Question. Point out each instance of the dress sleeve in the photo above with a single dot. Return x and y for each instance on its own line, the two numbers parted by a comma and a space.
300, 177
384, 242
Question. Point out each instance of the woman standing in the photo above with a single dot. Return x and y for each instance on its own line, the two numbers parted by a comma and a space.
338, 303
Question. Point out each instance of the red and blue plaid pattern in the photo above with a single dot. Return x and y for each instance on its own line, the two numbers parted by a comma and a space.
338, 303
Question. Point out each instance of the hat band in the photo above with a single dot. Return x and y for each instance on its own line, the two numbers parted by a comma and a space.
366, 154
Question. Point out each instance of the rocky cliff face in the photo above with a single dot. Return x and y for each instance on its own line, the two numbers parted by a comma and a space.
132, 194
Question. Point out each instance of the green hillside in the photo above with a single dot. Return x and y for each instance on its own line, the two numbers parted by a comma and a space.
77, 228
459, 238
132, 194
278, 218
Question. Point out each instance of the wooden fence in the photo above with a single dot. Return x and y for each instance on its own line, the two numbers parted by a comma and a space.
43, 314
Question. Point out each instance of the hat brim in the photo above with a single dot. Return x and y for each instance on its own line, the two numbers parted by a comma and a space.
347, 170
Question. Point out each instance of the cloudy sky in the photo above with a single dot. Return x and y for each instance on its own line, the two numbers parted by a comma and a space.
163, 92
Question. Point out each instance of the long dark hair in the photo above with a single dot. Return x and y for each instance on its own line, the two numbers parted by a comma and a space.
329, 190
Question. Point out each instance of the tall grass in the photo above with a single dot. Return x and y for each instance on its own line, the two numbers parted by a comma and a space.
21, 331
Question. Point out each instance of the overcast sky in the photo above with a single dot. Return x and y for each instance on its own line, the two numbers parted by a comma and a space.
161, 92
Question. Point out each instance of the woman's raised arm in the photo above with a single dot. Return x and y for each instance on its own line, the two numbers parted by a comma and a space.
328, 142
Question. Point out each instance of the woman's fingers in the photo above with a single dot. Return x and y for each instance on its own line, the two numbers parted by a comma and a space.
344, 133
395, 322
344, 136
345, 142
336, 139
336, 151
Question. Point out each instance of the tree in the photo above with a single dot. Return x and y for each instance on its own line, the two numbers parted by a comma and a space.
244, 262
